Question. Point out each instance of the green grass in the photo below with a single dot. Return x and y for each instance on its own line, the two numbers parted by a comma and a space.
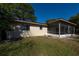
40, 46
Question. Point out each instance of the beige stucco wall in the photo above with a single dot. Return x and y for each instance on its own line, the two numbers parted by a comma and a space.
36, 31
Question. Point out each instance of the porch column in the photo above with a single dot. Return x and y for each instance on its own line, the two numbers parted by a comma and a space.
59, 29
68, 29
74, 30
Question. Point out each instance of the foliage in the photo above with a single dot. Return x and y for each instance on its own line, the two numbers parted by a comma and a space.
10, 12
75, 19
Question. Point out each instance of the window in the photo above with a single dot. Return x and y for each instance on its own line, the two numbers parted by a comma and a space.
40, 27
25, 27
17, 27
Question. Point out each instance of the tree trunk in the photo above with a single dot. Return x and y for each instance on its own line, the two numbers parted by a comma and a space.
3, 35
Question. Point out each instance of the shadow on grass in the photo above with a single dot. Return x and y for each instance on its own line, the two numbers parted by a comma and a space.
36, 46
76, 39
17, 47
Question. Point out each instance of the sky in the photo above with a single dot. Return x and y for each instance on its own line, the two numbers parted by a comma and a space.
45, 11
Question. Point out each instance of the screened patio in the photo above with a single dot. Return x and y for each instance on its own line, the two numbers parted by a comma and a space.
61, 28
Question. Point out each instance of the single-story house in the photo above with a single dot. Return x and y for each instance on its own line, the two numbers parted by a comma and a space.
57, 28
26, 29
61, 28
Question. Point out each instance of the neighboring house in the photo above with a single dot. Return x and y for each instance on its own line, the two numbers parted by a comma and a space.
27, 29
56, 28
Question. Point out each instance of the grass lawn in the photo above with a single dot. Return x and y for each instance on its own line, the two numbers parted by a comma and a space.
40, 46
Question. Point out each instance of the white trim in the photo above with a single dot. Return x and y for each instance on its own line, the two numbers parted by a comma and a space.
62, 36
59, 29
68, 29
74, 30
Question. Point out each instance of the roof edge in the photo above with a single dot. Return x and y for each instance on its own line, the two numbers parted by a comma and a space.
33, 23
63, 21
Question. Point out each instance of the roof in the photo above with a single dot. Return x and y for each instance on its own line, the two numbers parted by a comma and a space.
30, 23
43, 24
62, 21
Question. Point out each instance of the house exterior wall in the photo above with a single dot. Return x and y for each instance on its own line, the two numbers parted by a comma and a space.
62, 36
33, 31
13, 34
67, 35
36, 31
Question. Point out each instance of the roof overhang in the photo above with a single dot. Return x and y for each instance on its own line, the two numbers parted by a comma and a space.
63, 22
29, 23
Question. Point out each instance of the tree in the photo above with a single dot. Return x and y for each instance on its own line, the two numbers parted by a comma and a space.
10, 12
25, 12
75, 19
